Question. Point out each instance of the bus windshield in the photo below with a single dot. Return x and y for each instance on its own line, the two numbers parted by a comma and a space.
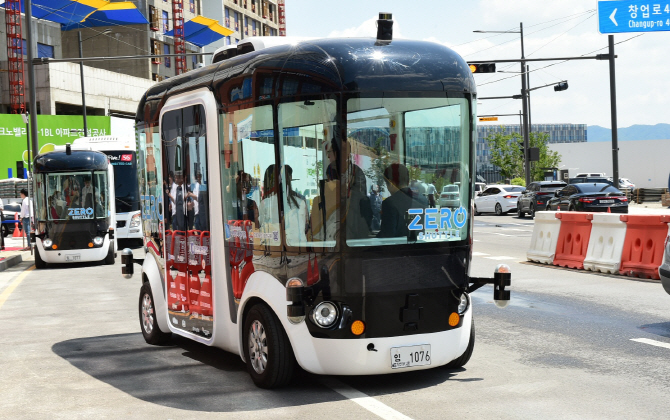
125, 179
76, 195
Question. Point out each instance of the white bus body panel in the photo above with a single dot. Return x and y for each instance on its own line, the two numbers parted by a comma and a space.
326, 356
58, 256
153, 273
224, 334
126, 232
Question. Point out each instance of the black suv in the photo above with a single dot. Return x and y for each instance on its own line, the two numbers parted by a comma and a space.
536, 196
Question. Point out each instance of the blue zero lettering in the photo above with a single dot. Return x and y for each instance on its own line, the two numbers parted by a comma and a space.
460, 212
431, 219
445, 218
414, 224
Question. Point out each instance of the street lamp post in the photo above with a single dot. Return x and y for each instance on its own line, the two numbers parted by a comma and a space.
81, 74
524, 96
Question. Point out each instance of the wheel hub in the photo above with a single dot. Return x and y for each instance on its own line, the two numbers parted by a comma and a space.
147, 314
258, 349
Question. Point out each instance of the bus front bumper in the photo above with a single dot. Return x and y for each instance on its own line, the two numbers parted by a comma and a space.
67, 256
124, 230
374, 356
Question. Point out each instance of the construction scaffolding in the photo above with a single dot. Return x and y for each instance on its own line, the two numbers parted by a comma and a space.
179, 45
17, 99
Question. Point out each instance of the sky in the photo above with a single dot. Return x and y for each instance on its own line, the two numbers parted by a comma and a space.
552, 28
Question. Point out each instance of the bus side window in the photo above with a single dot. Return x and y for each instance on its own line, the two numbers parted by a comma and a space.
308, 152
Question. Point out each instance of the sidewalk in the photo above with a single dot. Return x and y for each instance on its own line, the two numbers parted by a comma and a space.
648, 208
14, 253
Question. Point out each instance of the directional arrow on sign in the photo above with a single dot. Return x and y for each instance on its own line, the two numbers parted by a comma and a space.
612, 17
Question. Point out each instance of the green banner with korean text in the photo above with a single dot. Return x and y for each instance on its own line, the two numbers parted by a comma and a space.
52, 130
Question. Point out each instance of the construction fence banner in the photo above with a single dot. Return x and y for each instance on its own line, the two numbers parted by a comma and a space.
52, 130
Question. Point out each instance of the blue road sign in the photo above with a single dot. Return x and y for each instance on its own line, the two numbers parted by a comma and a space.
633, 16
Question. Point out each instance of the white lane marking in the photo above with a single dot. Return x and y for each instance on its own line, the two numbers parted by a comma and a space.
375, 407
519, 230
479, 254
501, 258
651, 342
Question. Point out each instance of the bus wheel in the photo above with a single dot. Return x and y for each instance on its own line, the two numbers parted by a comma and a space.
39, 262
150, 330
110, 258
267, 350
465, 357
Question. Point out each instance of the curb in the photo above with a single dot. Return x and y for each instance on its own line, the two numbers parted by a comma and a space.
11, 261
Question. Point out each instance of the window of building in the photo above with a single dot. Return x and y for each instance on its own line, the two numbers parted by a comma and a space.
246, 26
44, 50
226, 21
194, 61
191, 6
166, 50
165, 21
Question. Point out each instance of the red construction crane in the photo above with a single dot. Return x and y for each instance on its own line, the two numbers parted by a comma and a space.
179, 46
17, 99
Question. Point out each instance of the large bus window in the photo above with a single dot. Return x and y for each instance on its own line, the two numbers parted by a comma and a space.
77, 195
249, 179
310, 172
397, 148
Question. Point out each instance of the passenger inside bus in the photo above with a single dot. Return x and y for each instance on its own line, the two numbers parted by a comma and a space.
246, 208
394, 209
296, 213
177, 197
71, 191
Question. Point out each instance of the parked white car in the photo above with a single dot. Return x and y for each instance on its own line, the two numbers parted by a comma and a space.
449, 197
500, 199
625, 183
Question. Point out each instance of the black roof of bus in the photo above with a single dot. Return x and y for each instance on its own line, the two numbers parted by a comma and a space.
329, 65
78, 160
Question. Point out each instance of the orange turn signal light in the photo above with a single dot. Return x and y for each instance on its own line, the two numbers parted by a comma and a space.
454, 318
358, 327
90, 244
54, 246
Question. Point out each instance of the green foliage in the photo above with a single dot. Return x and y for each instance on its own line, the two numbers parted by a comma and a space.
518, 181
414, 173
316, 171
506, 153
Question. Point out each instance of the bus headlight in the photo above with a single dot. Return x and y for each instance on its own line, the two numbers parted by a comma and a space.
47, 243
135, 221
98, 240
463, 304
325, 314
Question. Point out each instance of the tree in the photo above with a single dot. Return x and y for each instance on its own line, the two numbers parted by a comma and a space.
507, 154
379, 164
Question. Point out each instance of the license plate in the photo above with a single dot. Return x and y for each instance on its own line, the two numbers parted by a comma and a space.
72, 257
402, 357
607, 201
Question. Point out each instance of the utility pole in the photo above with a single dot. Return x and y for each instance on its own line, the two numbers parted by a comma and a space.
524, 101
31, 76
615, 134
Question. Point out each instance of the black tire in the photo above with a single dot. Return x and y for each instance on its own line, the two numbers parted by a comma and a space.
5, 231
463, 359
148, 322
531, 211
476, 212
272, 363
499, 211
520, 214
39, 262
110, 259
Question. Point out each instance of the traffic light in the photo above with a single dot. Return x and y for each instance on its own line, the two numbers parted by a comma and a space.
19, 169
483, 68
561, 86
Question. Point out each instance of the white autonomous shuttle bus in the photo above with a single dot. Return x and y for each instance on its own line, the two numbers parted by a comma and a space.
350, 284
122, 156
74, 207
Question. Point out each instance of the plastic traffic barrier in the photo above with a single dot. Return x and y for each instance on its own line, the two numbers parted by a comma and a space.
181, 264
606, 243
643, 248
194, 267
573, 239
545, 235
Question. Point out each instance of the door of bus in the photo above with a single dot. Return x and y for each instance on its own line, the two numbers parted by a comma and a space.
187, 224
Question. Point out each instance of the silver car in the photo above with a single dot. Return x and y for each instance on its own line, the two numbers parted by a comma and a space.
449, 197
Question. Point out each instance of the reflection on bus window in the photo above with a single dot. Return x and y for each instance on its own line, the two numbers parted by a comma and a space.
249, 176
310, 153
401, 146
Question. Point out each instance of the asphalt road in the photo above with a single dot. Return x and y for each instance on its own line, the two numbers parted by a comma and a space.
71, 348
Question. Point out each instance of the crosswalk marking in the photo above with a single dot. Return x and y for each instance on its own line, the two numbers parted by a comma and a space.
501, 258
651, 342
